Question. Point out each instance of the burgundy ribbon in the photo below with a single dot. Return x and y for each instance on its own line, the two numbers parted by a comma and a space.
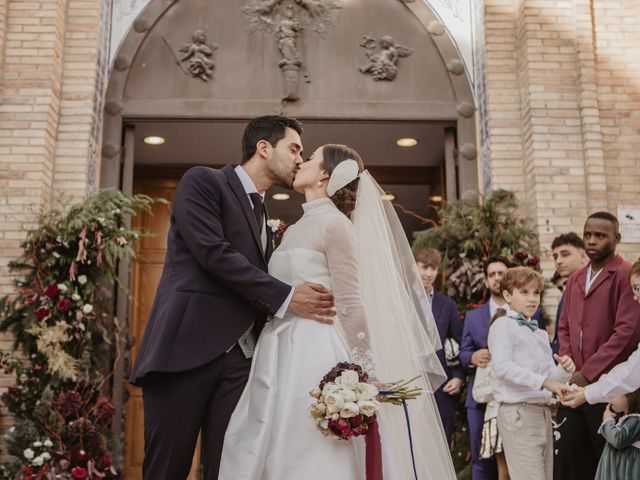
374, 452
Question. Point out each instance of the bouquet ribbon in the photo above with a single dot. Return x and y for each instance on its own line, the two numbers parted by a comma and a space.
406, 416
373, 452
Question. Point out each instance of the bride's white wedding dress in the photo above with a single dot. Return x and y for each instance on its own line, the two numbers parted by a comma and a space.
270, 435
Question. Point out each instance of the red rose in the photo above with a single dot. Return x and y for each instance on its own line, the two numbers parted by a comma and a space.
533, 261
42, 312
106, 460
357, 420
52, 291
79, 473
359, 430
521, 256
82, 456
63, 305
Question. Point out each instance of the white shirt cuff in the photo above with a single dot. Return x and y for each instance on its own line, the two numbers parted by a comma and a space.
285, 305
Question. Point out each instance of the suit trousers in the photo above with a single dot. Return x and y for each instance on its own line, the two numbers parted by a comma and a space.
527, 440
578, 445
446, 407
177, 406
480, 469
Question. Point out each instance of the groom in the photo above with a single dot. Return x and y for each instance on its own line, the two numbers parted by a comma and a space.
212, 300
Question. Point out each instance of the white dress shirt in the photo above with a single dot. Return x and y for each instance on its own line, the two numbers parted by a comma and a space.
250, 187
624, 378
493, 307
521, 360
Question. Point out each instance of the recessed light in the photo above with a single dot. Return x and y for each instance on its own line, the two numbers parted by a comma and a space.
407, 142
154, 140
388, 196
281, 196
435, 198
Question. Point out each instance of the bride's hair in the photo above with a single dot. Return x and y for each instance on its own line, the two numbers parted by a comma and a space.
332, 155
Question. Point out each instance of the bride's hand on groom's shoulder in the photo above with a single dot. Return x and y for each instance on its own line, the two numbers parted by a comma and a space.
312, 300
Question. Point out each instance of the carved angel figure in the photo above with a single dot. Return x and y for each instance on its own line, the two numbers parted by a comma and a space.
197, 56
383, 65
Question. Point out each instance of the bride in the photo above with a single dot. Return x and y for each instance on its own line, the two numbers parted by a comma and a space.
350, 241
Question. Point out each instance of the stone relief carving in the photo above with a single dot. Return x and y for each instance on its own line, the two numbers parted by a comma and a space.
383, 65
196, 57
287, 20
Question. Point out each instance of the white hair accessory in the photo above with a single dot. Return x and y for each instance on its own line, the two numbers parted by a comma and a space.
344, 173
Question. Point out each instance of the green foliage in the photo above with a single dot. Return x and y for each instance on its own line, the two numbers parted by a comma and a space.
471, 231
61, 318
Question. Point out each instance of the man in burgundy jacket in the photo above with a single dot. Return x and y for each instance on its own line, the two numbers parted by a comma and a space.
599, 328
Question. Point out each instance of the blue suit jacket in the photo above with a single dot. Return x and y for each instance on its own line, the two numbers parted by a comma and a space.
474, 337
449, 326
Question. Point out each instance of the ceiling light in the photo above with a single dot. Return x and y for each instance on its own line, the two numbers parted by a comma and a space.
154, 140
281, 196
435, 198
407, 142
388, 196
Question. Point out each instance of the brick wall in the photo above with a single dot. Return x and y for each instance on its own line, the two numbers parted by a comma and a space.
49, 89
617, 45
564, 110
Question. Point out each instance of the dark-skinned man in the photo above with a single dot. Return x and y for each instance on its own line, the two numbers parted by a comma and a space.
599, 328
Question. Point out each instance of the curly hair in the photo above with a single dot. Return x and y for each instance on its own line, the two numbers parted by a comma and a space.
332, 155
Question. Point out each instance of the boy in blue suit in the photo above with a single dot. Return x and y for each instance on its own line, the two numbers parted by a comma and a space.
474, 353
449, 325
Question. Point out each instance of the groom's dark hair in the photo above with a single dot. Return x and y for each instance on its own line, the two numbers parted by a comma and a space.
271, 128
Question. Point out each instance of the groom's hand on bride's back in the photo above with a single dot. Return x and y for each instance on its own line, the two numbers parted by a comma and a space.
311, 300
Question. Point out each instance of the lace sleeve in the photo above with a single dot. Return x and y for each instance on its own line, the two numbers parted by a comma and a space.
340, 246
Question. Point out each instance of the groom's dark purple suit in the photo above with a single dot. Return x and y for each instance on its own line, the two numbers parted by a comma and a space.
214, 285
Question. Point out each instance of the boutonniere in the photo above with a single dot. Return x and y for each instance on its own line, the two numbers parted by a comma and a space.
277, 227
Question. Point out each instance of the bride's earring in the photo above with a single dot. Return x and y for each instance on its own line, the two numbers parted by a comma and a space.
319, 183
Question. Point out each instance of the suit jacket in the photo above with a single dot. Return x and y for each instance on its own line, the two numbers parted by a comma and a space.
601, 328
474, 337
449, 325
214, 283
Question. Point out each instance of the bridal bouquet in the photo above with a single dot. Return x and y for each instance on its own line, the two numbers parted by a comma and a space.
346, 403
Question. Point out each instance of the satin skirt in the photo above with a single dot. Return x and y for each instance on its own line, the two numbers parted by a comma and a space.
270, 434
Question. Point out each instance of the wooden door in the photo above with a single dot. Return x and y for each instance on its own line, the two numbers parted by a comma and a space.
145, 275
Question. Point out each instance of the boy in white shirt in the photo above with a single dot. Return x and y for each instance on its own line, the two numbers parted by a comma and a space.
524, 376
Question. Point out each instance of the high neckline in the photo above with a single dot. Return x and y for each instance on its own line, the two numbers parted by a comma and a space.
317, 204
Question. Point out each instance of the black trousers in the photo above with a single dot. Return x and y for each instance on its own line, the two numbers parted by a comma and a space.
577, 444
178, 405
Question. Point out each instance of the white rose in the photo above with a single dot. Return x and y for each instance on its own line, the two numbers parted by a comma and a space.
334, 402
366, 391
322, 408
315, 393
367, 408
349, 410
38, 461
88, 308
37, 444
28, 454
330, 388
350, 379
82, 279
335, 416
48, 443
274, 224
349, 395
324, 424
75, 297
62, 287
46, 456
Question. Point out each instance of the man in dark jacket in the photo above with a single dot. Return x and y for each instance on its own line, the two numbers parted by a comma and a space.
213, 297
450, 330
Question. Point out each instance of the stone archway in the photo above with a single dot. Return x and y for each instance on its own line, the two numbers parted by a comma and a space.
440, 89
148, 82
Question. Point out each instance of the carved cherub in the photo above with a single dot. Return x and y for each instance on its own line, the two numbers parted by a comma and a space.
287, 32
383, 65
197, 55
